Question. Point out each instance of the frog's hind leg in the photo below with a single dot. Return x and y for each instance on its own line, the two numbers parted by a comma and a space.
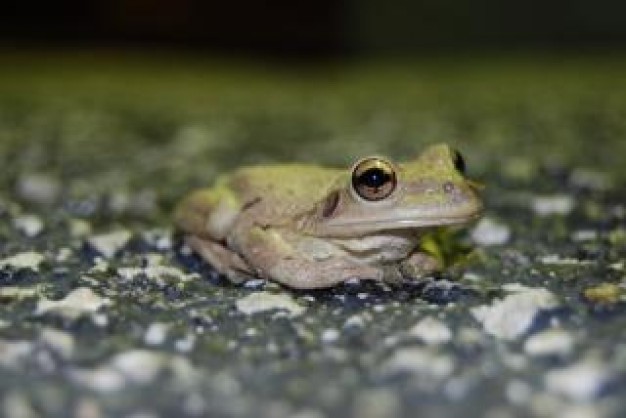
302, 273
275, 259
221, 258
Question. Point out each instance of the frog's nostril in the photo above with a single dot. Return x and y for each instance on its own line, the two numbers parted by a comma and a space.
449, 187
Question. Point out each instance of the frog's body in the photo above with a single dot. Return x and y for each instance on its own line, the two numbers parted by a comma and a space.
310, 227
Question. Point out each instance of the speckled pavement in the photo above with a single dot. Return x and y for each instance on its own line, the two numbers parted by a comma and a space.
104, 313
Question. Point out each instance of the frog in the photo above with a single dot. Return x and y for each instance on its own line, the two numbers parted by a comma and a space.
307, 226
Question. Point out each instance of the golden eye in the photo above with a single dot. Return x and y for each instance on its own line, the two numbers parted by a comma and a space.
374, 179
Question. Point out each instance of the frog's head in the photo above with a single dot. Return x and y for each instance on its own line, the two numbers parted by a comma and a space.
381, 195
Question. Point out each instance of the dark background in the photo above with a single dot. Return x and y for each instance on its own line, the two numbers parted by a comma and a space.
318, 27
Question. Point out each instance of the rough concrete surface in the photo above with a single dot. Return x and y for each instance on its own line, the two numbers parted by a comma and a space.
104, 313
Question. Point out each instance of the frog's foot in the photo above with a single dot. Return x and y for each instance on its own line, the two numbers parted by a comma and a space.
221, 258
419, 265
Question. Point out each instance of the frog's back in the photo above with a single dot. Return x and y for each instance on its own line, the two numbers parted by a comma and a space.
288, 183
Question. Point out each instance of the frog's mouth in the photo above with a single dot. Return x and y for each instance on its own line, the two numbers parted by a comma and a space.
432, 219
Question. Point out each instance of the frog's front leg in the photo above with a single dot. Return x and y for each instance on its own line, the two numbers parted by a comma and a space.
419, 265
275, 259
221, 258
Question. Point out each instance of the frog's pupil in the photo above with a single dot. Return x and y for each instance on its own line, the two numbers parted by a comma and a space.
374, 178
459, 162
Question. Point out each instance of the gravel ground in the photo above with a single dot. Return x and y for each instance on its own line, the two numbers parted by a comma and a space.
104, 313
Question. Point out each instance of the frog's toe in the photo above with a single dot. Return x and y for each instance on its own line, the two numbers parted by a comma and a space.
420, 265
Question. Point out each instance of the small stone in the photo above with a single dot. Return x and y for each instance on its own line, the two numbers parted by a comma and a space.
134, 367
155, 334
76, 303
581, 382
185, 345
26, 260
585, 235
102, 379
139, 366
553, 205
518, 392
254, 283
354, 322
549, 343
330, 335
554, 259
161, 239
109, 244
156, 272
16, 405
18, 293
377, 403
594, 180
607, 293
13, 354
420, 361
510, 317
38, 188
100, 266
64, 254
88, 408
266, 301
431, 331
29, 225
79, 228
60, 342
489, 232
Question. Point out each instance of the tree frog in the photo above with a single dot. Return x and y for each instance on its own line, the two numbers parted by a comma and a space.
307, 226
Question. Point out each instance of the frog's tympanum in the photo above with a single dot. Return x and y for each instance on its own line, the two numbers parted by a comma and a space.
312, 227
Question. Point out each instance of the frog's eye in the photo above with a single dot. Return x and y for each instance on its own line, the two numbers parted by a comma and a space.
374, 179
459, 161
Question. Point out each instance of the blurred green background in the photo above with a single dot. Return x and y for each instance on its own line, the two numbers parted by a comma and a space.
159, 96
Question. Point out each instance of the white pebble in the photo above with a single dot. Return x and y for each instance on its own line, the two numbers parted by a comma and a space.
16, 405
156, 272
490, 232
355, 321
420, 361
29, 225
512, 316
14, 353
155, 334
109, 244
518, 392
38, 188
556, 260
581, 382
60, 342
26, 260
185, 345
585, 235
330, 335
265, 301
76, 303
552, 205
432, 331
377, 403
139, 366
550, 342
